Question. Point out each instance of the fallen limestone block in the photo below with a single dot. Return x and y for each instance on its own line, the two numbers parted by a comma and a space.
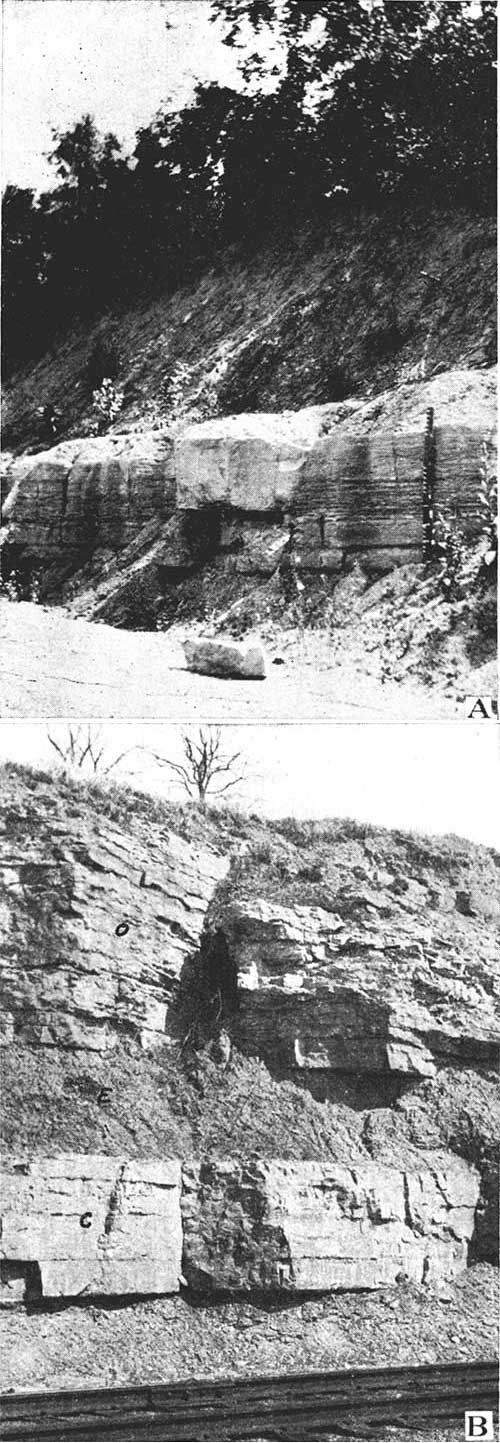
93, 1224
313, 1227
225, 658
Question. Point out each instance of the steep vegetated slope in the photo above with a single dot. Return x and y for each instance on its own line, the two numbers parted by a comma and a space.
335, 315
345, 309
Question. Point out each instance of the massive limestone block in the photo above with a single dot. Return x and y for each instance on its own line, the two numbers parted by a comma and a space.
225, 658
89, 494
93, 1224
356, 467
354, 991
90, 1225
96, 924
249, 462
312, 1227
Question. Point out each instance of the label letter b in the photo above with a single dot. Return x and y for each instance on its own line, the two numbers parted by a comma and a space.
479, 1425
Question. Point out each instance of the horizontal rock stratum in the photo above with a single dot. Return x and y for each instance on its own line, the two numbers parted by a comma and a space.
351, 474
386, 963
90, 1225
88, 494
369, 988
356, 464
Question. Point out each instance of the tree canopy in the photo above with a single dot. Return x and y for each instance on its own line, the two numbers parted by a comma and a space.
343, 102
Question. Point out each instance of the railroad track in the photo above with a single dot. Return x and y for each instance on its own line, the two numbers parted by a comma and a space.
360, 1403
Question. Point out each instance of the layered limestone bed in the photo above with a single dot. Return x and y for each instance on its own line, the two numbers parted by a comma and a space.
148, 512
366, 989
88, 1225
96, 929
85, 494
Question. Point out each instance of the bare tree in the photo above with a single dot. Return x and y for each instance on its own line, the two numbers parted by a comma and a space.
81, 748
206, 767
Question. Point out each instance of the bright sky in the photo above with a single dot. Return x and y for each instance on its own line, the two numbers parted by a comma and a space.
113, 58
442, 777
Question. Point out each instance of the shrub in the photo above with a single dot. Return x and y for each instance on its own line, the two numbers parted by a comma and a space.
103, 362
488, 512
201, 404
16, 587
106, 405
449, 550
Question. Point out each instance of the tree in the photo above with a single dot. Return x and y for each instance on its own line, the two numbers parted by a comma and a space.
24, 275
401, 93
205, 766
81, 748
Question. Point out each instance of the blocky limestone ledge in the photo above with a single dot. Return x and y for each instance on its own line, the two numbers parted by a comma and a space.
351, 472
93, 1225
89, 493
358, 991
78, 1225
358, 464
67, 978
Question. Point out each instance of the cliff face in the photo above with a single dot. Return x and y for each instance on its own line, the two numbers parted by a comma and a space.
97, 925
351, 476
387, 964
363, 989
355, 962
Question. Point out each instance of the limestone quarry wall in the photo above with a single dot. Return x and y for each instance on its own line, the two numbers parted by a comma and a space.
351, 474
79, 1225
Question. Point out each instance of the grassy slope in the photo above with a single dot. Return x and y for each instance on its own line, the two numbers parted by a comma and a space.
313, 317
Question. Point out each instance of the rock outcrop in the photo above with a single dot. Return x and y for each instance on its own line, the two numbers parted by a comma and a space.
97, 924
350, 475
353, 471
93, 1225
225, 658
369, 988
329, 951
309, 1227
82, 495
78, 1225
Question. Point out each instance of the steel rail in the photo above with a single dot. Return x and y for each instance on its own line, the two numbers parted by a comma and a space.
358, 1403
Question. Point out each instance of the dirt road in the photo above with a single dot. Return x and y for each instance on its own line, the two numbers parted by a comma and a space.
53, 665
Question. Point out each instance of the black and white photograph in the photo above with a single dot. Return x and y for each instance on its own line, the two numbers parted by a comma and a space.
249, 740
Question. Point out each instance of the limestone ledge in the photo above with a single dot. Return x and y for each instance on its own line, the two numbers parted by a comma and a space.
358, 992
79, 1225
352, 472
67, 978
